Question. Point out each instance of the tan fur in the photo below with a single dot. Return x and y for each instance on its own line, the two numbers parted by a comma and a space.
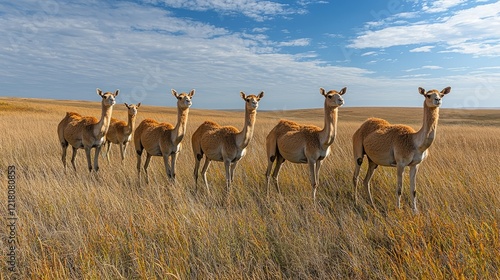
163, 139
397, 145
224, 143
120, 132
303, 143
86, 132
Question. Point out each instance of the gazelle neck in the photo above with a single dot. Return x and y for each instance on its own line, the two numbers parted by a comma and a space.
131, 123
180, 127
425, 136
327, 135
102, 126
245, 135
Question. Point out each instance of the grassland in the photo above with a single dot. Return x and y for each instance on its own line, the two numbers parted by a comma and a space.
86, 226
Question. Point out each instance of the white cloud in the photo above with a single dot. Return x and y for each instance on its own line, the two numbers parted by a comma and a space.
485, 48
437, 6
295, 43
255, 9
432, 67
368, 53
422, 49
472, 31
260, 29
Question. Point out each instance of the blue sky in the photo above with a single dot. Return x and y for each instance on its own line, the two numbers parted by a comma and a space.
382, 51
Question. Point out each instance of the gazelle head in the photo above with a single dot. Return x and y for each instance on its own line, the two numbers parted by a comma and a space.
433, 97
132, 109
252, 101
333, 98
108, 98
183, 99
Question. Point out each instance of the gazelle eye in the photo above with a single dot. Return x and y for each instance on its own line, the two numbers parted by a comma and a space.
330, 96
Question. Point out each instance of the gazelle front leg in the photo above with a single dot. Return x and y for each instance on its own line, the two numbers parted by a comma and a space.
233, 167
229, 175
413, 186
122, 150
89, 161
400, 171
96, 158
227, 167
167, 165
173, 160
312, 176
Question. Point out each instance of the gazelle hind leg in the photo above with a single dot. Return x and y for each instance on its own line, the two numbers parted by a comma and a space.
369, 174
279, 161
357, 168
73, 157
204, 173
64, 151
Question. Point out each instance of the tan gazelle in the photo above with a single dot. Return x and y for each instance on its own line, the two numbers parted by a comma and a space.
163, 139
224, 143
120, 132
86, 132
397, 145
299, 143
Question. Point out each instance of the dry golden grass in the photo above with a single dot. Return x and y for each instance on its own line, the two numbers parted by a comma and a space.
86, 226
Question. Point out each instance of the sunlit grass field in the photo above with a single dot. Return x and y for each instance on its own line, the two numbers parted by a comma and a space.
105, 226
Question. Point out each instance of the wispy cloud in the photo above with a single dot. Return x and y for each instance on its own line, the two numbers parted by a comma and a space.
437, 6
472, 31
432, 67
255, 9
428, 67
295, 43
422, 49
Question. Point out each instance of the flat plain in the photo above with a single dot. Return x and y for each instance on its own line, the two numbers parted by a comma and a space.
106, 226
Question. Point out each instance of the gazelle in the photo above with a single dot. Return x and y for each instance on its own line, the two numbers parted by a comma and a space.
86, 132
304, 143
397, 145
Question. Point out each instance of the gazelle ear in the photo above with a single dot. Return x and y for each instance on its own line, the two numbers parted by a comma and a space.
174, 93
421, 90
322, 91
99, 91
116, 92
342, 91
243, 95
261, 94
191, 93
446, 90
126, 105
139, 105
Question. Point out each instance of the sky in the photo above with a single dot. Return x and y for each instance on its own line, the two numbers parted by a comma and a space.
382, 51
